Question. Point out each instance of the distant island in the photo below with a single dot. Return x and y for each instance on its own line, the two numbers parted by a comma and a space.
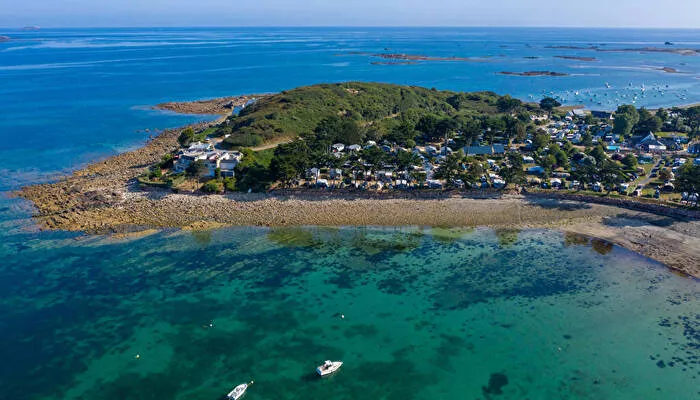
31, 28
683, 52
378, 154
589, 59
534, 73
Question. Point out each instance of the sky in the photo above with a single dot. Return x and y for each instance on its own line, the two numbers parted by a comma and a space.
186, 13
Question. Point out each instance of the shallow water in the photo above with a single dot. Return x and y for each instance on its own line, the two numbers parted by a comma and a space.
472, 314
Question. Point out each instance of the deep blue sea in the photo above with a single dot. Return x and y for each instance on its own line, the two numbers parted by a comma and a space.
476, 314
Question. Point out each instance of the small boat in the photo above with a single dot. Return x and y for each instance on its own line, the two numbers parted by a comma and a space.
238, 391
328, 367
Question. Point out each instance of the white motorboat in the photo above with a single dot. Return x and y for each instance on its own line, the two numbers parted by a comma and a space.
238, 391
328, 367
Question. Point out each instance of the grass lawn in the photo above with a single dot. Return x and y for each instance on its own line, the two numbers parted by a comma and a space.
670, 134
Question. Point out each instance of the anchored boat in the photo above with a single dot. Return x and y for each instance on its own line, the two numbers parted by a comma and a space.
328, 367
238, 391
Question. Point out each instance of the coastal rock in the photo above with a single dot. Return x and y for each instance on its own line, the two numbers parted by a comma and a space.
4, 39
220, 106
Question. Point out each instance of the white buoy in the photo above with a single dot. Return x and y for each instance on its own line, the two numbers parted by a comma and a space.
342, 316
138, 356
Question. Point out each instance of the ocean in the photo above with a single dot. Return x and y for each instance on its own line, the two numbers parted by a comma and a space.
473, 314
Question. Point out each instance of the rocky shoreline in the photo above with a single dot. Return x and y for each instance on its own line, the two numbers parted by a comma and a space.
105, 198
219, 106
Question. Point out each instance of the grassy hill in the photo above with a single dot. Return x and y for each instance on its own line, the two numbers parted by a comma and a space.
376, 108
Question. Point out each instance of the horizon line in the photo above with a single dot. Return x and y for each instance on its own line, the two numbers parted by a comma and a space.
355, 27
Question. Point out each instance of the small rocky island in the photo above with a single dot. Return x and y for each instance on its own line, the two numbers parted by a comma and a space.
533, 73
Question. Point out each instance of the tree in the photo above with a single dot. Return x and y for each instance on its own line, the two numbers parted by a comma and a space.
648, 122
507, 104
688, 179
403, 133
626, 117
598, 153
230, 184
630, 161
290, 161
449, 169
514, 172
540, 140
427, 124
373, 156
406, 159
213, 186
196, 169
586, 170
548, 104
185, 137
664, 174
610, 174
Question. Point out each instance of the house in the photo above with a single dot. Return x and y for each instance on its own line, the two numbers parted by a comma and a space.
228, 164
354, 148
528, 160
431, 150
498, 183
537, 170
322, 183
579, 113
696, 162
597, 187
434, 184
338, 147
200, 147
225, 161
651, 144
694, 148
603, 115
313, 173
646, 159
555, 182
385, 176
336, 173
485, 150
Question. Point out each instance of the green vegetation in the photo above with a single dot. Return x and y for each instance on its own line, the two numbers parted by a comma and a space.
549, 103
361, 110
689, 178
186, 137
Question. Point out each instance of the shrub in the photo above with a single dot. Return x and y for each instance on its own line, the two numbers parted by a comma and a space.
243, 140
230, 184
213, 186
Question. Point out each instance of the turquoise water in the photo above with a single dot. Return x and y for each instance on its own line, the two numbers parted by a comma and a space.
427, 314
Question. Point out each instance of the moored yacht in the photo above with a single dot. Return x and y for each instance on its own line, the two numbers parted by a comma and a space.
328, 367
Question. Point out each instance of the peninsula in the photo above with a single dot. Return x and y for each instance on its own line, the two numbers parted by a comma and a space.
378, 154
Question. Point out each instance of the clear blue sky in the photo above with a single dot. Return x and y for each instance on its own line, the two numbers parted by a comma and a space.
607, 13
